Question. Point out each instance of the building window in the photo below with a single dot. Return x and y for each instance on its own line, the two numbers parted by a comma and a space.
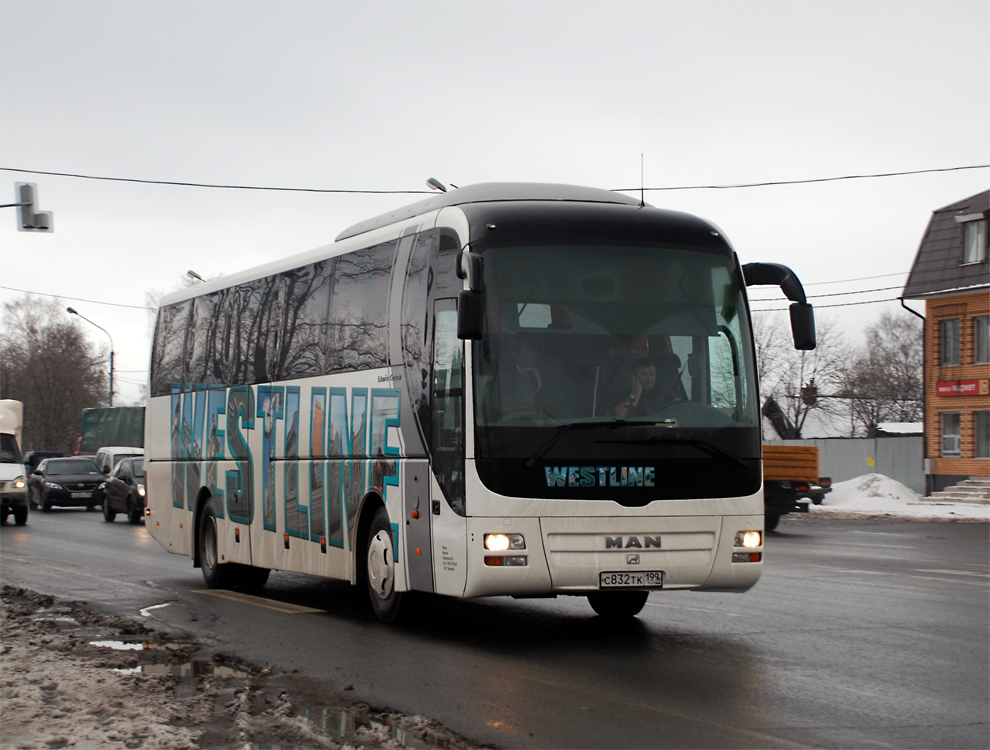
974, 241
950, 342
981, 421
981, 339
951, 435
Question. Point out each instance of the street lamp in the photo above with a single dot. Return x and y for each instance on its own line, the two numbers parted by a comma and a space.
73, 312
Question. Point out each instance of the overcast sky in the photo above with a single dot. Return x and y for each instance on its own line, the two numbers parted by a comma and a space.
382, 95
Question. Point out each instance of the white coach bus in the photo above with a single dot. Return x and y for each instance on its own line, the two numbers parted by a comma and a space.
507, 389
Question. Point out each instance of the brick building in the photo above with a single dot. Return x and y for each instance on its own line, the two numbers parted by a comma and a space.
951, 274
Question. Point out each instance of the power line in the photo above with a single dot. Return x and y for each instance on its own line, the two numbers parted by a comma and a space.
216, 186
861, 278
823, 307
834, 294
422, 192
76, 299
802, 182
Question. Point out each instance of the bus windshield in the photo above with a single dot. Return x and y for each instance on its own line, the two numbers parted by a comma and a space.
603, 333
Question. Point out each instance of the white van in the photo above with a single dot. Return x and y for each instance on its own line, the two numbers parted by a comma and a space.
107, 458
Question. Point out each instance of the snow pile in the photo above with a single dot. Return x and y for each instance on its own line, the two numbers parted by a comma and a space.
877, 495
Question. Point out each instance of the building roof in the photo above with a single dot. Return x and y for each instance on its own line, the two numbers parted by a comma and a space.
938, 267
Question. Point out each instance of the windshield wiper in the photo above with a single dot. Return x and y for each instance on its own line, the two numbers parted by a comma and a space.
703, 444
611, 424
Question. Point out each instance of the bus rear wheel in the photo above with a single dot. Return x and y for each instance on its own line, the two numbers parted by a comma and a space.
616, 605
380, 568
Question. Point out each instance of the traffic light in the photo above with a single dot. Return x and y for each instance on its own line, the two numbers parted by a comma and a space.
29, 220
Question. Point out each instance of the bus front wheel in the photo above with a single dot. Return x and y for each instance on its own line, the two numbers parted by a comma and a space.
616, 605
380, 568
216, 574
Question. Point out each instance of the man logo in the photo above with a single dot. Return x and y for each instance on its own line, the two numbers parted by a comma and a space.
632, 559
616, 542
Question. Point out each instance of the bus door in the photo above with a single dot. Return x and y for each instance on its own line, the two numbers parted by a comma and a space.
447, 509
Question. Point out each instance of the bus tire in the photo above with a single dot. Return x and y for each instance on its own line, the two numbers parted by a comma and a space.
380, 568
770, 521
249, 578
217, 575
616, 605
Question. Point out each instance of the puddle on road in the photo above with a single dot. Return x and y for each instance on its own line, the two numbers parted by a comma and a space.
195, 668
48, 617
339, 723
120, 645
189, 669
344, 724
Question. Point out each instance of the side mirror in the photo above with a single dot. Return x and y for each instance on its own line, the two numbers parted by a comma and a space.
470, 301
470, 314
803, 326
802, 313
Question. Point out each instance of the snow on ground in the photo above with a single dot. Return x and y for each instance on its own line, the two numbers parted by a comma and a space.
74, 678
877, 495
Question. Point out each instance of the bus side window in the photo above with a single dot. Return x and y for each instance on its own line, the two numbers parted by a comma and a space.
447, 437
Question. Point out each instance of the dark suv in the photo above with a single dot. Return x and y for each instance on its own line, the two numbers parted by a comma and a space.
65, 482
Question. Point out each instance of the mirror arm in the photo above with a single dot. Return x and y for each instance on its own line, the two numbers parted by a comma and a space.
775, 274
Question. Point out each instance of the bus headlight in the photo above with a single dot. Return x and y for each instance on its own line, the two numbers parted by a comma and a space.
502, 542
748, 539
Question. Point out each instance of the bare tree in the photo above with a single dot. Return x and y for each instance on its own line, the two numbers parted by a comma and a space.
794, 383
48, 364
884, 382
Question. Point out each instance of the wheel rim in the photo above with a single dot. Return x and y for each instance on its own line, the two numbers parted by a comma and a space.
210, 543
381, 565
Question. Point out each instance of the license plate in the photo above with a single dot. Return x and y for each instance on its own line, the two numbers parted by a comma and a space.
625, 579
81, 495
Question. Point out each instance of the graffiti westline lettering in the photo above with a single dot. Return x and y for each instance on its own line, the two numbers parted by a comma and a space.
348, 452
600, 476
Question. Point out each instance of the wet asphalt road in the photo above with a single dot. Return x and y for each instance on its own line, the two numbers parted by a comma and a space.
860, 634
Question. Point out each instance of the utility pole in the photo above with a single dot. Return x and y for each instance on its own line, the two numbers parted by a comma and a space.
73, 312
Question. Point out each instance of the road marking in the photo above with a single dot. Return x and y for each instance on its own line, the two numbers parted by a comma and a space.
953, 580
235, 596
953, 572
146, 612
855, 572
665, 605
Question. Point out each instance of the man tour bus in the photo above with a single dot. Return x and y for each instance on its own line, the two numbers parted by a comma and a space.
507, 389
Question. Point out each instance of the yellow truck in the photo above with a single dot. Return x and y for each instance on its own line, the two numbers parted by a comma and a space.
791, 481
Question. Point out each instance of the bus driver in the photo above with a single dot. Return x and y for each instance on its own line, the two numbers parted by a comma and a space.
650, 390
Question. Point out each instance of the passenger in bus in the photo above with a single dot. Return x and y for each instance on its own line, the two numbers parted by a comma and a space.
653, 385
